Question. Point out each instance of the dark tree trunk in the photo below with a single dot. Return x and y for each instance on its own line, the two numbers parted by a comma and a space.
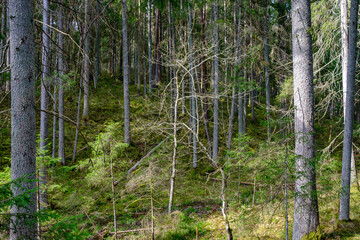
23, 124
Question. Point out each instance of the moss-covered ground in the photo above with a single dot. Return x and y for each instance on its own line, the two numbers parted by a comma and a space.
82, 196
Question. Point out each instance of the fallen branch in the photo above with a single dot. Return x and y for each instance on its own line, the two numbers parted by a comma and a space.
142, 159
146, 156
243, 183
70, 155
133, 230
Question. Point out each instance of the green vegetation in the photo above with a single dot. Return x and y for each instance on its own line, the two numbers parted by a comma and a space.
81, 196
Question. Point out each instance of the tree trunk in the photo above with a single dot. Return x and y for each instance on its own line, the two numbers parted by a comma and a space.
173, 166
216, 84
149, 44
86, 61
97, 46
344, 65
267, 78
3, 41
231, 119
44, 118
204, 76
54, 122
61, 153
23, 123
349, 114
155, 72
193, 117
306, 214
126, 73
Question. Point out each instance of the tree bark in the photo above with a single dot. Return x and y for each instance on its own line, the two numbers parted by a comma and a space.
193, 116
44, 118
344, 65
149, 44
216, 84
267, 78
97, 46
126, 73
86, 62
204, 76
349, 114
306, 215
173, 166
23, 123
155, 68
61, 147
3, 41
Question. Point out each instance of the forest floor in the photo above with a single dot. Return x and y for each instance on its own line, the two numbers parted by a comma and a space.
82, 193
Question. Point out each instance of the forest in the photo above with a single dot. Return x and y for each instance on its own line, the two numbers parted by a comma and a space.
179, 119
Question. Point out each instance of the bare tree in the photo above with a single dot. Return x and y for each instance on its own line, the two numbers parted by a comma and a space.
193, 116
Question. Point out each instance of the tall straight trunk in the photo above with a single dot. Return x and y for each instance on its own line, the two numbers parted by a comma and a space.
155, 72
3, 41
173, 166
44, 118
246, 103
231, 118
126, 73
241, 128
61, 153
171, 51
193, 117
252, 95
344, 65
23, 123
306, 214
54, 122
113, 57
97, 46
204, 76
182, 39
216, 84
149, 44
267, 78
349, 114
86, 61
